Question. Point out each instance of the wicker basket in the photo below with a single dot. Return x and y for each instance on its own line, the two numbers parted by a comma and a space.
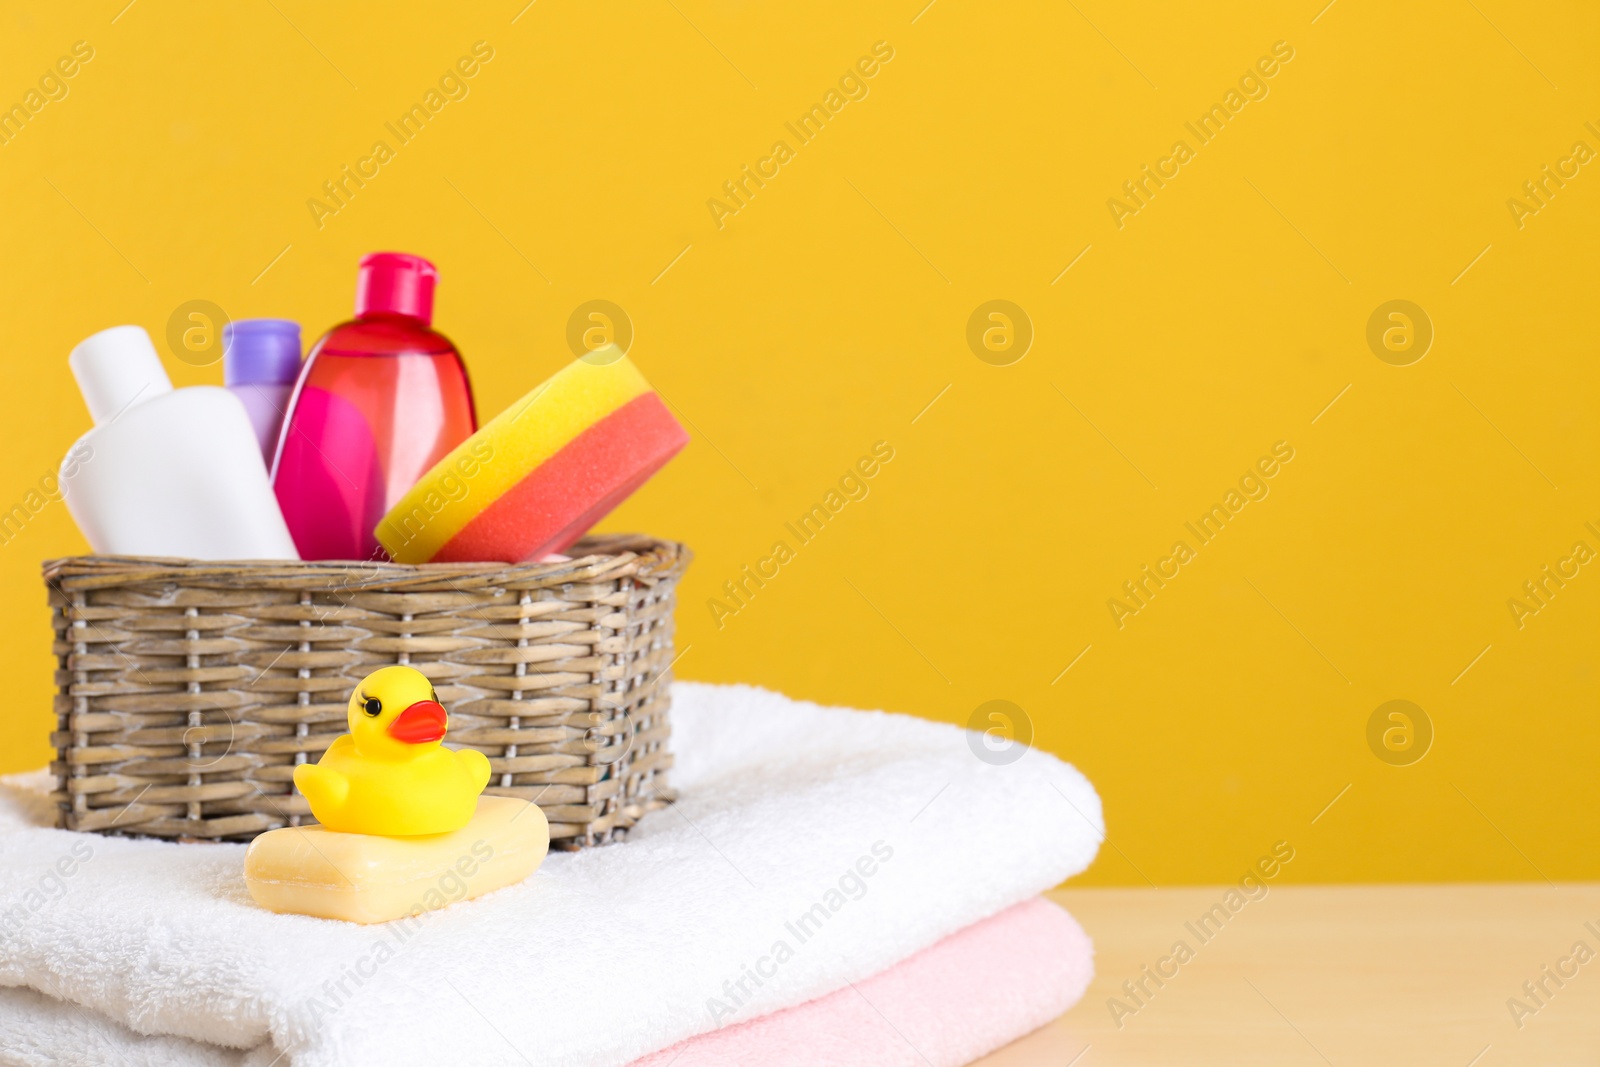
189, 691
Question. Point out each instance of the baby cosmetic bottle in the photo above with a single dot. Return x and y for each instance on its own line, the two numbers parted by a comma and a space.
380, 400
260, 362
166, 472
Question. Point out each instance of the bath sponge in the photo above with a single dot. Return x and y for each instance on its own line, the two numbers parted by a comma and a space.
537, 476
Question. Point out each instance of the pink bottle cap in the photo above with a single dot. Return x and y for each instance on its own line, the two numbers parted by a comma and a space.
397, 284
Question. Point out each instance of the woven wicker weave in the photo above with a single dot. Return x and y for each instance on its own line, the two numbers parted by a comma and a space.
189, 690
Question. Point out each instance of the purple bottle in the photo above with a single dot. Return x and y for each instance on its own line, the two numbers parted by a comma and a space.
260, 362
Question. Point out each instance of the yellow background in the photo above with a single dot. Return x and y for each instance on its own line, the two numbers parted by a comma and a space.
826, 314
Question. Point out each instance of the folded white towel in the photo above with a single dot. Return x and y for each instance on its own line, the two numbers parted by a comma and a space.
812, 846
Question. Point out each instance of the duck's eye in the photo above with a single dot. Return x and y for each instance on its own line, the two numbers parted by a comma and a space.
373, 707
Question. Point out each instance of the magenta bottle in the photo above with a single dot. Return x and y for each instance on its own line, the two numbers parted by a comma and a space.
379, 401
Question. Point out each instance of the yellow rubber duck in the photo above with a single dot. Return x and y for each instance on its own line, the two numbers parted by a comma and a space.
390, 775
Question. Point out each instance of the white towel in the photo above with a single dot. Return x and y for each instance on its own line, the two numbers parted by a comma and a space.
603, 955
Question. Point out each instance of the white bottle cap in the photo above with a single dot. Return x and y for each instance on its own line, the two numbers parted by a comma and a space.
116, 369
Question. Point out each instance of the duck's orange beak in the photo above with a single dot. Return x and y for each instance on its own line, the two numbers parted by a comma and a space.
421, 723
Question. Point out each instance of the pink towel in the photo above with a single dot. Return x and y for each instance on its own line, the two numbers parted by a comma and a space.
978, 989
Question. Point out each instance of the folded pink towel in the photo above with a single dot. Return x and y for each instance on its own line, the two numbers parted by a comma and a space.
978, 989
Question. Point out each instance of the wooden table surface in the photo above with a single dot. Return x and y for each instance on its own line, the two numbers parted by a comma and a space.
1413, 975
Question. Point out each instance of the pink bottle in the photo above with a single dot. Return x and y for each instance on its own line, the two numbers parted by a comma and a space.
380, 400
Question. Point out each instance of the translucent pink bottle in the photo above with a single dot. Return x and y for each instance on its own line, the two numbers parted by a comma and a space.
380, 400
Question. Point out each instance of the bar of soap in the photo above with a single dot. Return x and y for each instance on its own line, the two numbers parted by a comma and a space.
537, 476
364, 878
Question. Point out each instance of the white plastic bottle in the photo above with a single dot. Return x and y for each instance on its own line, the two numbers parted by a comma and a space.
170, 472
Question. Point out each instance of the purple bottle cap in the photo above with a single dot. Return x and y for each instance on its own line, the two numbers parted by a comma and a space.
260, 352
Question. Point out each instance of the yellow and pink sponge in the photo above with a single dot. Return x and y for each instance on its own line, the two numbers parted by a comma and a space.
537, 476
